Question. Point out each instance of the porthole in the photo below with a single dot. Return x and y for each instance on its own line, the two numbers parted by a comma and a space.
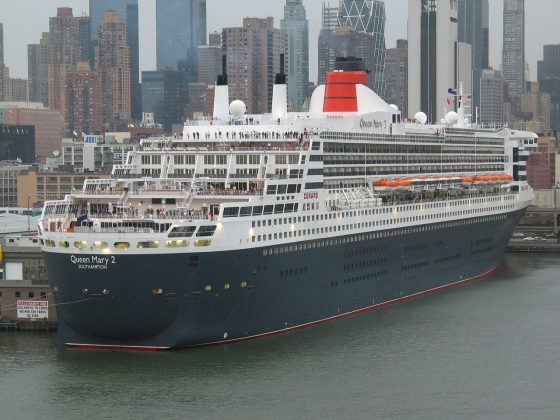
50, 243
157, 291
80, 244
176, 244
202, 242
100, 245
122, 245
208, 288
63, 244
148, 244
226, 286
243, 284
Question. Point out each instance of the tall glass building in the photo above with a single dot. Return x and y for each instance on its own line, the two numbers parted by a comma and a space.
435, 58
474, 30
127, 10
1, 62
297, 52
165, 93
549, 81
368, 16
513, 55
180, 29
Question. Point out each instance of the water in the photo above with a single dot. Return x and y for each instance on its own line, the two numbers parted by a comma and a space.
486, 350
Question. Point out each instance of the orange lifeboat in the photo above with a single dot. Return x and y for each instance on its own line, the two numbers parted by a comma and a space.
492, 178
506, 177
385, 183
404, 182
480, 179
393, 183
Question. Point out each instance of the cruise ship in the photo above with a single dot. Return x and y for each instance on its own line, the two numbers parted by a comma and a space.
253, 225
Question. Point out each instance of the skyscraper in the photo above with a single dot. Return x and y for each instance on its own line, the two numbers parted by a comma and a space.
474, 30
513, 56
180, 29
15, 90
165, 93
112, 58
344, 42
491, 97
127, 10
432, 48
1, 62
253, 59
38, 60
209, 63
368, 16
84, 98
535, 108
297, 52
65, 51
396, 76
549, 81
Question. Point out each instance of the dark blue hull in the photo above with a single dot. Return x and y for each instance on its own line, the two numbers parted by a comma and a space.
181, 300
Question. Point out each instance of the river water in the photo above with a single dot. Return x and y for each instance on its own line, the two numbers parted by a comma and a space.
489, 350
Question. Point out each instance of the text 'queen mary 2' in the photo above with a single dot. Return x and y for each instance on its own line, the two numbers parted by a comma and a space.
251, 225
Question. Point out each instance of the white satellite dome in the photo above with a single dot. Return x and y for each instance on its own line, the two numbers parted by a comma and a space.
237, 108
452, 118
394, 107
420, 118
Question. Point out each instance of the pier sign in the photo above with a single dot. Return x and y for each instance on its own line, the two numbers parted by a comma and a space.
32, 309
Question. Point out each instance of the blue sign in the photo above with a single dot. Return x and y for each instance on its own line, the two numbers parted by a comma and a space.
90, 139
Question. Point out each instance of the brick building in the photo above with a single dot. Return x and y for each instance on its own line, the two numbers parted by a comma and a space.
541, 167
48, 124
23, 276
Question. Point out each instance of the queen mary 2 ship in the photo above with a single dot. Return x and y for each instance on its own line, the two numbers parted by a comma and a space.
253, 225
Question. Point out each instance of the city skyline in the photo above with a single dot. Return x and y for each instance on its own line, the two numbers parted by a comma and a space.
16, 39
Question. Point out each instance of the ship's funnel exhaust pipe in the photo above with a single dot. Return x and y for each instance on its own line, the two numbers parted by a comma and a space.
280, 94
221, 93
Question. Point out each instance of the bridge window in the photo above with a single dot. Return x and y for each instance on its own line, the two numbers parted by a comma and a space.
206, 231
231, 212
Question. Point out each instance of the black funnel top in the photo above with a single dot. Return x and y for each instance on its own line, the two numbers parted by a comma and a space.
222, 78
281, 77
349, 64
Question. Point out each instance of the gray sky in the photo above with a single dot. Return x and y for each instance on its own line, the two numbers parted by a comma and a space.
24, 20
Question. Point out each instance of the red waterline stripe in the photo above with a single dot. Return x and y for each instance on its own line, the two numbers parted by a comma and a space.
358, 311
115, 347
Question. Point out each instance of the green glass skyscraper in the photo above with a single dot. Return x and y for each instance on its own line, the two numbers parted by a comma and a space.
297, 52
474, 30
180, 29
368, 16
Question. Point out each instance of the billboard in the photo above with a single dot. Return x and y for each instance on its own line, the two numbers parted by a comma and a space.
90, 140
32, 309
